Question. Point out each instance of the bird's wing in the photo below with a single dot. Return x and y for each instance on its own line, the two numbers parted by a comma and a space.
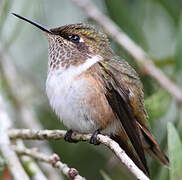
121, 82
128, 77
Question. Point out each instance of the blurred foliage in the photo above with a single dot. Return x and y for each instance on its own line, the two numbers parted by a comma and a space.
178, 53
104, 175
175, 153
155, 25
158, 104
2, 166
131, 17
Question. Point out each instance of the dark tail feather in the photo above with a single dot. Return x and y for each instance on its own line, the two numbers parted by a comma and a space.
159, 156
129, 150
152, 147
128, 121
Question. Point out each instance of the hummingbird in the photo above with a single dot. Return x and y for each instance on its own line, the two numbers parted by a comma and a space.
92, 90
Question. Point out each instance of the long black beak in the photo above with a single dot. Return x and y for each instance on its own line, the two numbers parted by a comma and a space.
33, 23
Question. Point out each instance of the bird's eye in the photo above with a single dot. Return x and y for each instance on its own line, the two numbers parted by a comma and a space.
75, 38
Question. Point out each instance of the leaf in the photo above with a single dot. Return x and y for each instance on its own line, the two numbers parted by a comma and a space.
175, 153
104, 175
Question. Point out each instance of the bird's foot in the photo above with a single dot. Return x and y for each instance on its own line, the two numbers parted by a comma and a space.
93, 139
68, 138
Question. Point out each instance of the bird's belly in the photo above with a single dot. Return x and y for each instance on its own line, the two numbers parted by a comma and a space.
68, 101
81, 105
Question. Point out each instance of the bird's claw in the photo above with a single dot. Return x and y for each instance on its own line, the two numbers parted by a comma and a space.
68, 138
93, 139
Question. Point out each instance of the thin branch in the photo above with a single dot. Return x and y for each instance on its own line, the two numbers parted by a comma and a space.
142, 59
13, 162
59, 134
54, 160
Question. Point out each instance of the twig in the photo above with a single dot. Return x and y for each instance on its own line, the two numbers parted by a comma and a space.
59, 134
54, 160
133, 49
13, 163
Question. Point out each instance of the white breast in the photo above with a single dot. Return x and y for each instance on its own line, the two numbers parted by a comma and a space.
66, 96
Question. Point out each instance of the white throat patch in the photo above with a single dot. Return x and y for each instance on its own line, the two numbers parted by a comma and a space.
65, 76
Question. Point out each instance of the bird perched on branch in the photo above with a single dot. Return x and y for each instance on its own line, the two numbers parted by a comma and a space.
92, 90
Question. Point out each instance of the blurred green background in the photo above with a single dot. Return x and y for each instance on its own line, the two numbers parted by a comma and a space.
155, 25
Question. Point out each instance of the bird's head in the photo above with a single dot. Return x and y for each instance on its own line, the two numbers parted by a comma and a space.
73, 44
